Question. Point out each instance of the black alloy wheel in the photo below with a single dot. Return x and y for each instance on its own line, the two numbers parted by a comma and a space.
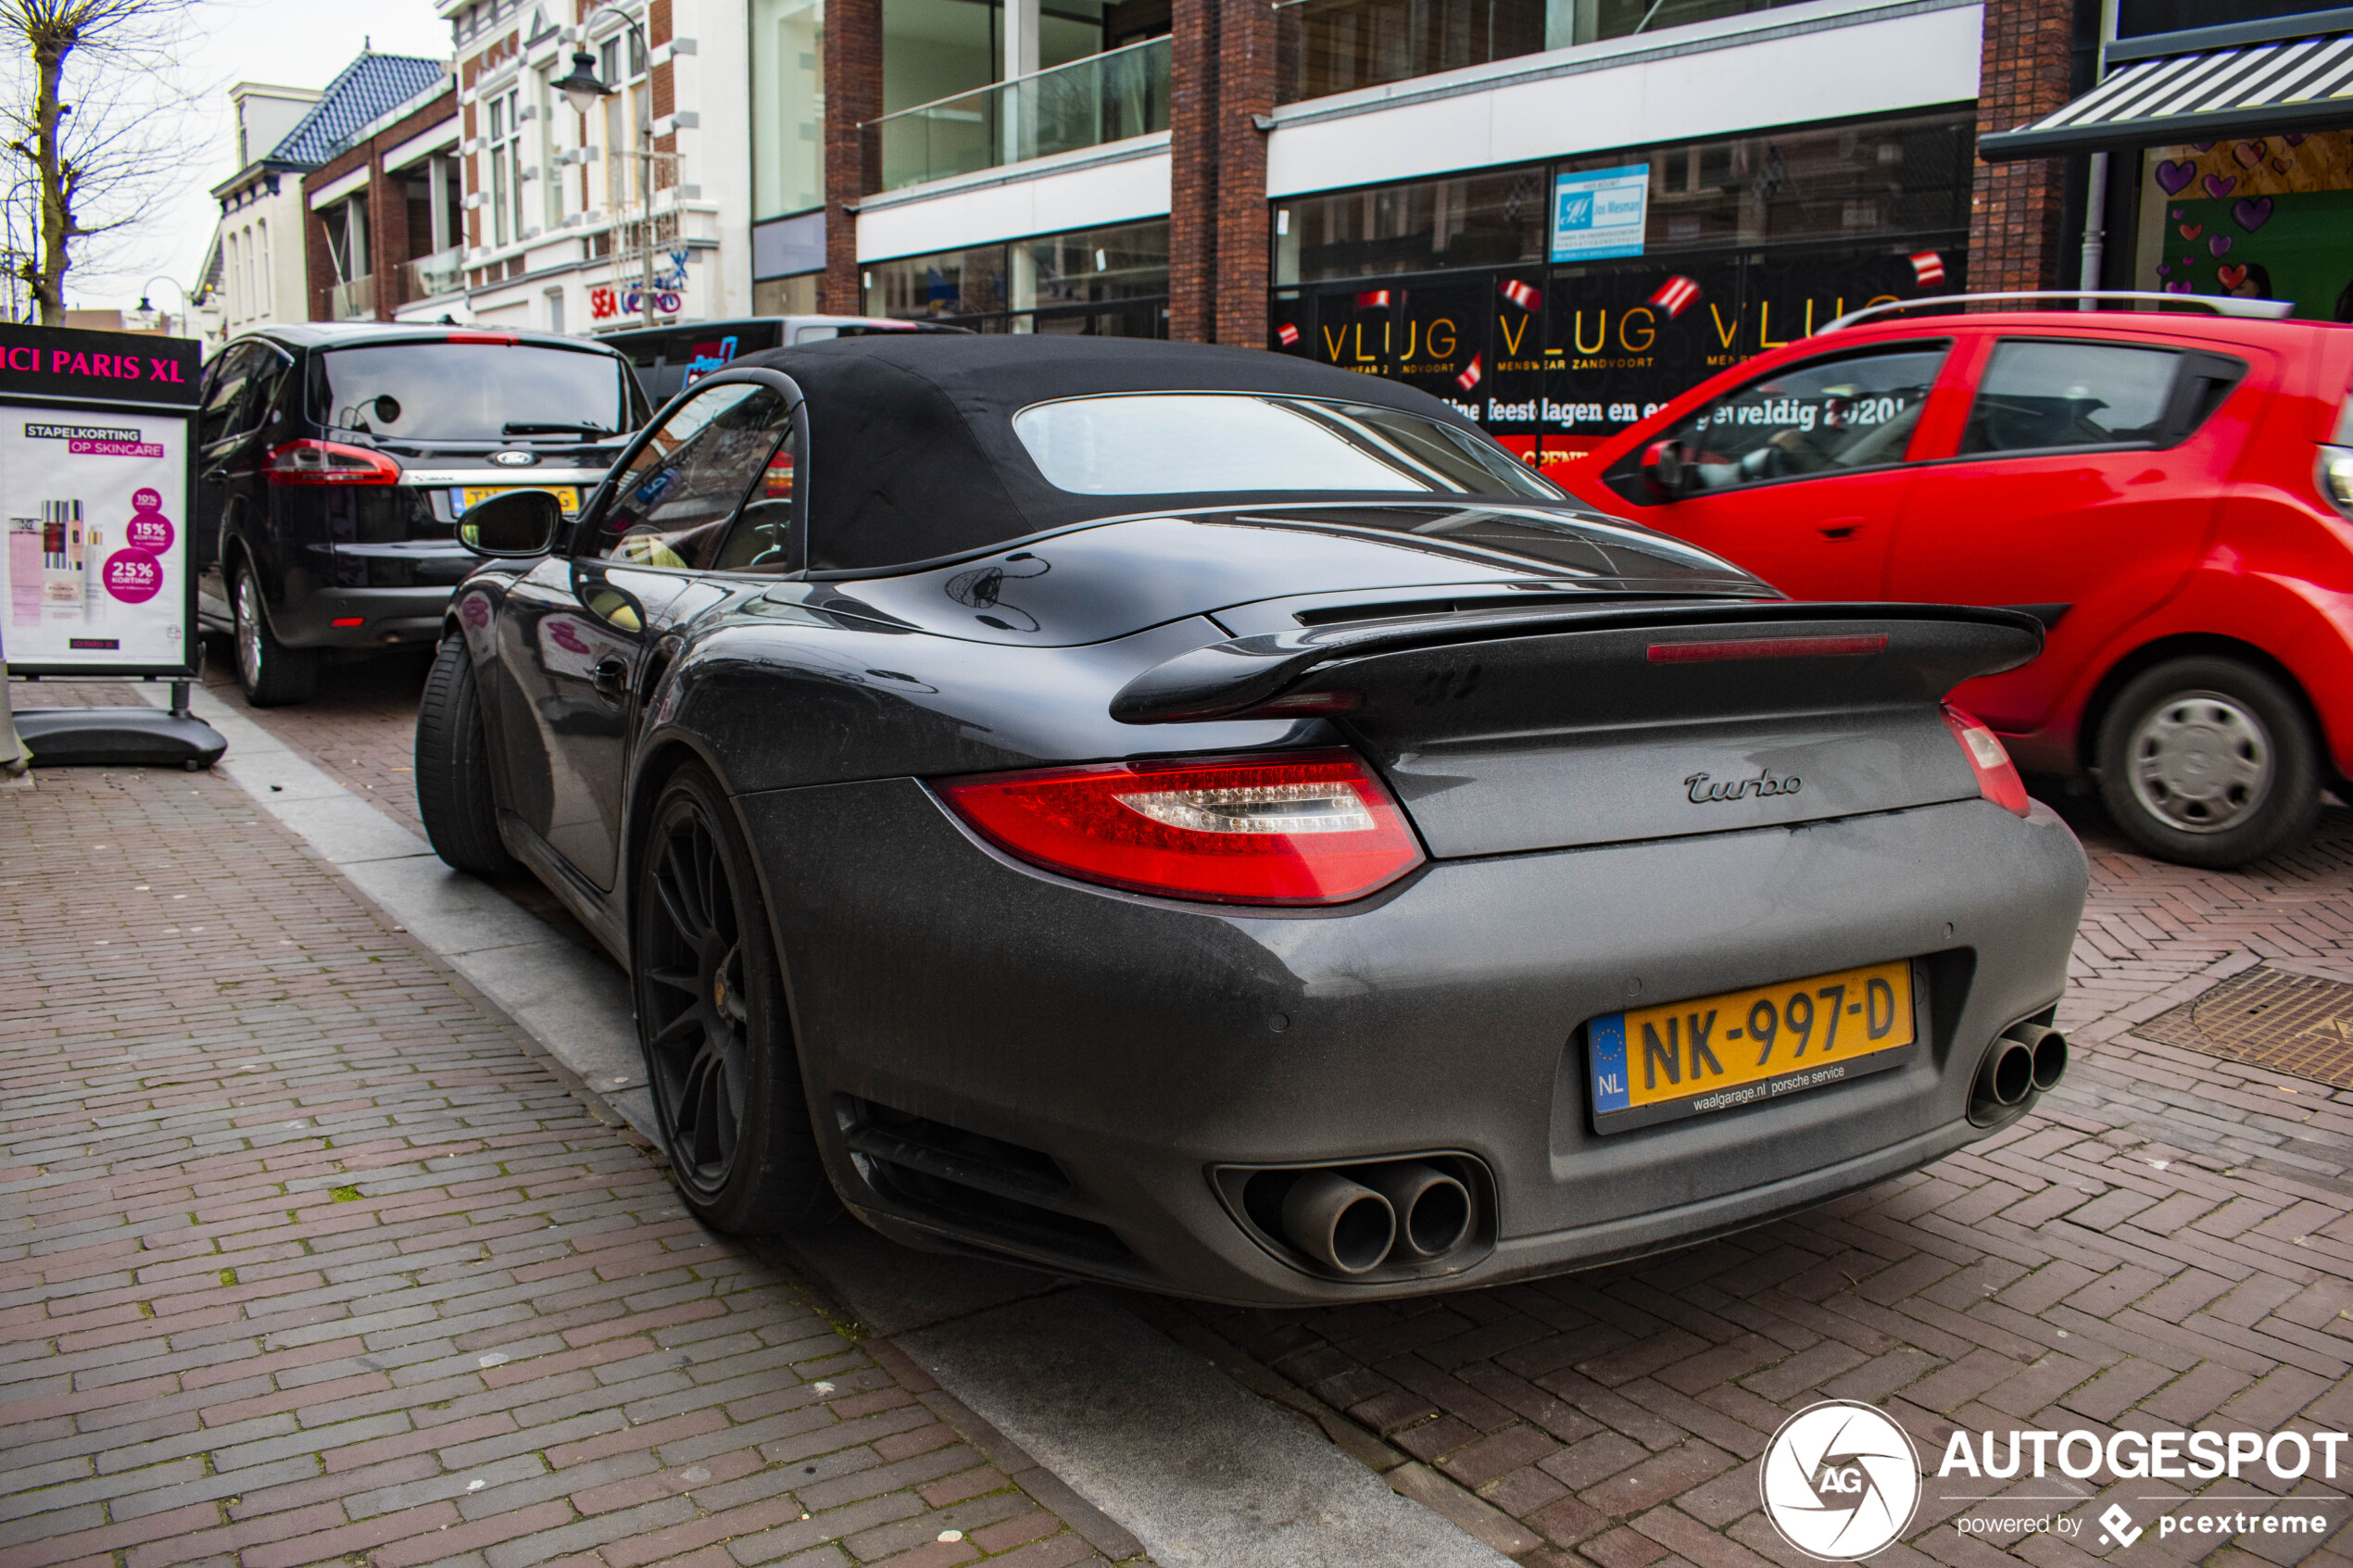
268, 672
2209, 762
453, 767
710, 1015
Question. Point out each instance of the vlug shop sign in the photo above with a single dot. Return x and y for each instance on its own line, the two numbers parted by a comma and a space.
1554, 360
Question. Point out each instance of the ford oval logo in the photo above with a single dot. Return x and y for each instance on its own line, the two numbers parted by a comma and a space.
514, 459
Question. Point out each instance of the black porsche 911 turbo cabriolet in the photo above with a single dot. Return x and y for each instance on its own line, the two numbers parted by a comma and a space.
1196, 819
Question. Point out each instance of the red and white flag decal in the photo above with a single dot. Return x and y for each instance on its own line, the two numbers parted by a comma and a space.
1286, 335
1521, 295
1674, 295
1376, 299
1469, 378
1928, 268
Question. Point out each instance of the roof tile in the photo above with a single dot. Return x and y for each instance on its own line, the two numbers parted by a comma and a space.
367, 86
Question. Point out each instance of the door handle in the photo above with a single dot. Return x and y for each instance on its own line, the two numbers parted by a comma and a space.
1843, 527
610, 678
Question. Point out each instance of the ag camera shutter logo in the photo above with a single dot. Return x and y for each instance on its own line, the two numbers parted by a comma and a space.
1840, 1481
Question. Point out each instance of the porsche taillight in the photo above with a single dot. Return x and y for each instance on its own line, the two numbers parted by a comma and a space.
1309, 827
329, 463
1997, 777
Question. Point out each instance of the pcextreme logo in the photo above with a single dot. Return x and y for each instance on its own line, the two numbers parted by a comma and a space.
1840, 1480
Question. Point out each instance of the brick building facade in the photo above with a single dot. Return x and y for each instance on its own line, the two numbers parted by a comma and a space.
380, 172
2017, 210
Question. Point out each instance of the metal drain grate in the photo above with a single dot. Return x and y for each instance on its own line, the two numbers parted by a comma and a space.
2295, 1023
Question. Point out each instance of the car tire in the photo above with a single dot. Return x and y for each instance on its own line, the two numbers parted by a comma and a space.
268, 672
2209, 762
453, 795
720, 1056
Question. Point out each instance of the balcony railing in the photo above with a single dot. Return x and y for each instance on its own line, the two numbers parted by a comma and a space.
442, 272
1326, 46
1105, 97
352, 301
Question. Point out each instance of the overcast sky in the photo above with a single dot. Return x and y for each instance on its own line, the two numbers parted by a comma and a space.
287, 42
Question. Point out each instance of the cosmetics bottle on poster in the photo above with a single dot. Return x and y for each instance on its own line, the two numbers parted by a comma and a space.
61, 561
24, 571
94, 577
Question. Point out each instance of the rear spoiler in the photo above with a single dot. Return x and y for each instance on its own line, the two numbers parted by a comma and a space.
1247, 674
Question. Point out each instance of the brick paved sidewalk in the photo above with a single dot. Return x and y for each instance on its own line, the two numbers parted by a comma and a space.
307, 1256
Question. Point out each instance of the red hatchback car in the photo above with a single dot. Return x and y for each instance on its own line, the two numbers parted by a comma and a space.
2169, 494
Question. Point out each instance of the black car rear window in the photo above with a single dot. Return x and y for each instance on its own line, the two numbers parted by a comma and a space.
472, 391
1208, 443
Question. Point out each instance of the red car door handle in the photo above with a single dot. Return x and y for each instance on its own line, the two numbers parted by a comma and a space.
1843, 527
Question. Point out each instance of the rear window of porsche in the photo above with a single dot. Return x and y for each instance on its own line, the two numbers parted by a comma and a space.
1186, 443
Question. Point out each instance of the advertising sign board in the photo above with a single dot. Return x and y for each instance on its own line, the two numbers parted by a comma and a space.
1600, 212
96, 480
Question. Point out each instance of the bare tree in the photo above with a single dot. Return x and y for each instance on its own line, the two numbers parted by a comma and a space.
92, 164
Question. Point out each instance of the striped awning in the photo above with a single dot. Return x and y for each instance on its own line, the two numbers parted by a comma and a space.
2292, 84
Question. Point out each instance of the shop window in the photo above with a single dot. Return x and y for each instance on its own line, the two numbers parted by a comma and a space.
2039, 396
1096, 265
787, 297
2262, 217
1105, 283
1424, 225
952, 283
1857, 181
1892, 177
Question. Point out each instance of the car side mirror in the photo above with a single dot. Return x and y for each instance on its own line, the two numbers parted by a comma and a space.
1665, 468
516, 525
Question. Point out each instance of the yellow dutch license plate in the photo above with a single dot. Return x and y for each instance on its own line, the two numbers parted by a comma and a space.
1744, 1047
472, 495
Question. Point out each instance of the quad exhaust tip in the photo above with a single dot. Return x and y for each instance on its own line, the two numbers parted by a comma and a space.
2026, 1060
1344, 1225
1403, 1217
1433, 1209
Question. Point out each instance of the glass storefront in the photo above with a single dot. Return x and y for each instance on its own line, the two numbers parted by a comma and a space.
787, 296
2265, 216
1558, 303
1106, 282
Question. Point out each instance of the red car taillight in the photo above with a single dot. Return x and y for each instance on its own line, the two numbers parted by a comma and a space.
1997, 777
329, 463
1309, 827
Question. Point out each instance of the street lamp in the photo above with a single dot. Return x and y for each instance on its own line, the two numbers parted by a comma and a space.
148, 311
583, 90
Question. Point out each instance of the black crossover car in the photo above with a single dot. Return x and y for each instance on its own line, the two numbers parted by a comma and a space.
333, 462
1205, 820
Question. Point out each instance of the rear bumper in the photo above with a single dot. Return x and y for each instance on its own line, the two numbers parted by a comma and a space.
385, 617
1142, 1043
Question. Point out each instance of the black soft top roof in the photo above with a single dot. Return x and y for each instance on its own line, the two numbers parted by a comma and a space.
912, 455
